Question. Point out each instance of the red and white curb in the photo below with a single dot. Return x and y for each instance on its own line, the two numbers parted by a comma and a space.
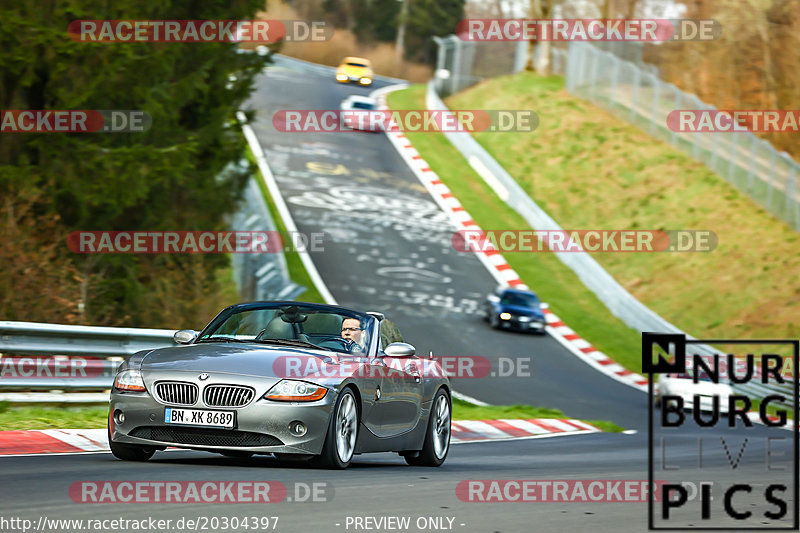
591, 355
66, 441
493, 260
53, 441
464, 431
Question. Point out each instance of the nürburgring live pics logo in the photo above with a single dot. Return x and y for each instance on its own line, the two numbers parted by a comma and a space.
735, 453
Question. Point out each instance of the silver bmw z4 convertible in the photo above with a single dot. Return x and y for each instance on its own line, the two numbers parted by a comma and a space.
296, 380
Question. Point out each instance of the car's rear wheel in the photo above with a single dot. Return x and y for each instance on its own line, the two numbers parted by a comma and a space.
130, 452
340, 441
437, 438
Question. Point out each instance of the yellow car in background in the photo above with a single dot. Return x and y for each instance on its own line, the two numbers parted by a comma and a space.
355, 69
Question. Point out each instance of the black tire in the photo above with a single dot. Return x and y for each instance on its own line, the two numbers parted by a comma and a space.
331, 457
429, 456
129, 452
494, 321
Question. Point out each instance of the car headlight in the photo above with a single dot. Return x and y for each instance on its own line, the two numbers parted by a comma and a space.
525, 318
129, 380
365, 80
505, 316
290, 390
341, 77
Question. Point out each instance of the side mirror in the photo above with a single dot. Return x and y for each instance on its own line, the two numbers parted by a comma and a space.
400, 349
544, 305
185, 336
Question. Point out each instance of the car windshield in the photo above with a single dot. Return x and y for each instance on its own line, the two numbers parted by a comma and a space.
293, 325
357, 65
522, 300
363, 105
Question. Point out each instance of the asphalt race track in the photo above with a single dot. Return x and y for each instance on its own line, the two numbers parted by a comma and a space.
387, 248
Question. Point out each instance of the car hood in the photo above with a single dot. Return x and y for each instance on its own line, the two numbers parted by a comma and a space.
231, 358
521, 310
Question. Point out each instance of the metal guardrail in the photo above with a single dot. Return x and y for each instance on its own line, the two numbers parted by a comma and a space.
42, 357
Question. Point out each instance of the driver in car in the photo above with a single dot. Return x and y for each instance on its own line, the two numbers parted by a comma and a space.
352, 331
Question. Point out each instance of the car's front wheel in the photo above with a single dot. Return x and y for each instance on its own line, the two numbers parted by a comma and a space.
340, 441
129, 452
437, 439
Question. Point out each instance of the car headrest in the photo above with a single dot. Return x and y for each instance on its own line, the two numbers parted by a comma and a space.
278, 329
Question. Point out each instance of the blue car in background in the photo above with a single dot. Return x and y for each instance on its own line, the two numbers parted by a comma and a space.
516, 309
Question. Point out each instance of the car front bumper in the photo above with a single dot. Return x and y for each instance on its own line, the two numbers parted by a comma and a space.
353, 79
516, 323
260, 427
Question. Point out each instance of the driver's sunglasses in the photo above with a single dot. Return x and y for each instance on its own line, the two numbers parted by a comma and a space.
352, 329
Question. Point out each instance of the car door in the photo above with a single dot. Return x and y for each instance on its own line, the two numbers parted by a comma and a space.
400, 402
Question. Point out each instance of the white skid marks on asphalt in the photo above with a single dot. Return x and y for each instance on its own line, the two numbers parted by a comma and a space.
493, 260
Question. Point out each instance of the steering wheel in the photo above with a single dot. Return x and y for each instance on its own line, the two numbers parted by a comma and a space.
347, 344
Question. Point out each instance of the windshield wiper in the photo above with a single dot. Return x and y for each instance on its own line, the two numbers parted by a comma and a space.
289, 342
222, 339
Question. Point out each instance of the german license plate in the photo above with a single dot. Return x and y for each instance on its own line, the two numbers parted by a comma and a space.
197, 417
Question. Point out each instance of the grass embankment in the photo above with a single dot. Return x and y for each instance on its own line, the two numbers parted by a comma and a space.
590, 170
466, 411
554, 282
22, 417
48, 417
297, 271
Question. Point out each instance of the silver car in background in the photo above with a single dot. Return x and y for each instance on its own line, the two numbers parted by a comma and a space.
296, 380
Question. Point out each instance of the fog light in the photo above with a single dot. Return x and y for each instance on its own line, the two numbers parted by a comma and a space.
297, 428
119, 417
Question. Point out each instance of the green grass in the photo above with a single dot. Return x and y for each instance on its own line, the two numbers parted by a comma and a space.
23, 417
544, 273
590, 169
466, 411
297, 271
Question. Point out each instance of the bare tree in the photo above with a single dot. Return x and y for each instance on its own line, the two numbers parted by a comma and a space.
540, 9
